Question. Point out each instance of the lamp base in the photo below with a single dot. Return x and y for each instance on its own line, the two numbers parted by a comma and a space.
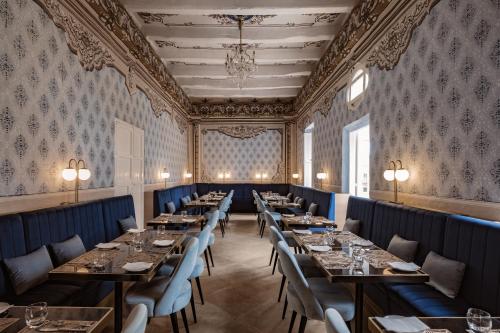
397, 202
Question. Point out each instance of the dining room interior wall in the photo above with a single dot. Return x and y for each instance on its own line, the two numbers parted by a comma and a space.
438, 110
52, 109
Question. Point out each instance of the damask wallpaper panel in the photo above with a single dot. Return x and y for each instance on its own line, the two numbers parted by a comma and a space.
243, 158
52, 110
438, 110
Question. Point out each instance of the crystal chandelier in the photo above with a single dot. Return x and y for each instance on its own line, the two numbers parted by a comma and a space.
239, 64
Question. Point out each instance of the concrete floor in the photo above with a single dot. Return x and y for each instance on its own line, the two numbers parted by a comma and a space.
241, 295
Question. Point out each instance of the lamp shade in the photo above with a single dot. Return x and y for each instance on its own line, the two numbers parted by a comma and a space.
402, 175
389, 175
188, 175
258, 175
227, 175
69, 174
264, 175
164, 174
295, 176
321, 175
84, 174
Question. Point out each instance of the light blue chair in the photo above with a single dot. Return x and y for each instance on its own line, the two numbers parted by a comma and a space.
137, 320
310, 297
286, 235
334, 322
167, 295
262, 209
212, 218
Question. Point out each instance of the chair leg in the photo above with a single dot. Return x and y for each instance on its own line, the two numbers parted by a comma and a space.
272, 255
221, 224
198, 283
175, 325
284, 308
193, 308
283, 279
262, 227
184, 320
303, 322
275, 261
211, 257
292, 321
208, 264
295, 249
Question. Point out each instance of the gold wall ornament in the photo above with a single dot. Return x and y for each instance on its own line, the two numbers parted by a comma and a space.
181, 124
395, 42
324, 105
131, 79
242, 131
236, 110
279, 176
205, 177
158, 104
90, 50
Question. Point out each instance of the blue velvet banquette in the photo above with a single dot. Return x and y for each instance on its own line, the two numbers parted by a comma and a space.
471, 241
243, 200
94, 222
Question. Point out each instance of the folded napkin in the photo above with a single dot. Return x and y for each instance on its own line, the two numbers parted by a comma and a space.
107, 246
288, 215
189, 220
302, 232
402, 324
4, 307
135, 231
319, 248
138, 266
404, 266
166, 214
163, 242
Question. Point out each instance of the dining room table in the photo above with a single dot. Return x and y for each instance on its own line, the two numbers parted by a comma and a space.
108, 264
338, 263
177, 221
436, 324
59, 319
303, 222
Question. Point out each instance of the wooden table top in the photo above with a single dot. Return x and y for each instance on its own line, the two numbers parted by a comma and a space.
452, 324
338, 265
202, 203
96, 318
277, 204
165, 219
274, 198
83, 268
300, 222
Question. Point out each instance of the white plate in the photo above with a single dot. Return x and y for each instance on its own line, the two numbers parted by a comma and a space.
107, 246
319, 248
362, 242
189, 220
138, 266
4, 307
404, 266
288, 215
302, 232
135, 231
163, 242
166, 215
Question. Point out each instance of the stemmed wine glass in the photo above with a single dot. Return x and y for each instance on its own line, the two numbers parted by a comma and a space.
478, 320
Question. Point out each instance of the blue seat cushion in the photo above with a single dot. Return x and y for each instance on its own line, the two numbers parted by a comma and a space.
52, 292
426, 300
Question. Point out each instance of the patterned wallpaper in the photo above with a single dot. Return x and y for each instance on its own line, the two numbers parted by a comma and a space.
438, 110
243, 158
51, 110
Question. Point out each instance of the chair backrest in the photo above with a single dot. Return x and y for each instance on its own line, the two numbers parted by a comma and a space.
137, 320
203, 237
293, 273
261, 208
334, 322
212, 217
275, 236
270, 221
179, 277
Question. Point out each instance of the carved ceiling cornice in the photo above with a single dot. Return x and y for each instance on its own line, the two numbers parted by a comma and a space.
240, 131
250, 110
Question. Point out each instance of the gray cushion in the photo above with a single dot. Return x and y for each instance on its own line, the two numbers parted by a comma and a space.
352, 226
301, 202
170, 207
184, 201
64, 251
196, 196
296, 200
403, 248
128, 223
289, 196
313, 208
28, 271
444, 274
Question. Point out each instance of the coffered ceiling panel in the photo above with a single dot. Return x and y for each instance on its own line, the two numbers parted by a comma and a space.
193, 37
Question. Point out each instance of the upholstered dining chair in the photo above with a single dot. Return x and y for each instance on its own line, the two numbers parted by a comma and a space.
286, 235
262, 209
212, 218
310, 297
334, 322
167, 295
137, 320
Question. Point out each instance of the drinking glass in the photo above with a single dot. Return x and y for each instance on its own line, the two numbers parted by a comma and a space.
161, 229
478, 320
36, 314
137, 242
358, 255
184, 213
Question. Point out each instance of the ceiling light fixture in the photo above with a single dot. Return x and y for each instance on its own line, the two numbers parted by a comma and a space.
239, 64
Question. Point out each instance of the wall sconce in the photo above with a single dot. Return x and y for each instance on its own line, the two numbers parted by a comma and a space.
321, 176
224, 175
261, 176
76, 170
165, 175
188, 175
396, 174
296, 177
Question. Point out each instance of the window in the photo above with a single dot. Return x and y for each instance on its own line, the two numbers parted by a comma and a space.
308, 147
356, 158
357, 87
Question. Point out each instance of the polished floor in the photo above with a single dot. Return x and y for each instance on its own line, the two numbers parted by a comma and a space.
241, 295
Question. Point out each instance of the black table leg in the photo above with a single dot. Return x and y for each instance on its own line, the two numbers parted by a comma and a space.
118, 306
358, 319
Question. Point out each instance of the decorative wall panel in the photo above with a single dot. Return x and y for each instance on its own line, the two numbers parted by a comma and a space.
51, 109
438, 110
243, 156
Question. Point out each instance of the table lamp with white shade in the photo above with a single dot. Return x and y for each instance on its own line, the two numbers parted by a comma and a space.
165, 175
76, 170
396, 173
321, 176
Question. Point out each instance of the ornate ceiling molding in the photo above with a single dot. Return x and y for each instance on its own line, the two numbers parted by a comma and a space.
324, 105
233, 110
90, 51
233, 19
359, 22
181, 124
395, 42
242, 131
158, 104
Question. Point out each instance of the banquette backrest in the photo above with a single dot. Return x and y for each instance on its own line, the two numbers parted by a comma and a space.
325, 200
115, 209
174, 194
361, 209
12, 244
